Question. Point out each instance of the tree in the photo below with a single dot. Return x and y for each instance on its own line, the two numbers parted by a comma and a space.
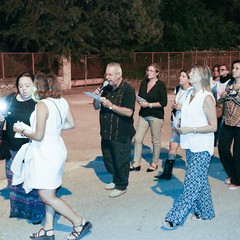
71, 27
199, 24
46, 26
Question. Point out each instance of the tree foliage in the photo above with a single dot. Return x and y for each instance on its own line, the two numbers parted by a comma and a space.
115, 28
200, 24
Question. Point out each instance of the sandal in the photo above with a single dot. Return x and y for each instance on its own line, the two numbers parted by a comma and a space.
38, 235
76, 235
167, 225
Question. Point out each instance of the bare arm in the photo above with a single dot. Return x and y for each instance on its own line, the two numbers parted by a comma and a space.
119, 110
209, 109
150, 105
69, 121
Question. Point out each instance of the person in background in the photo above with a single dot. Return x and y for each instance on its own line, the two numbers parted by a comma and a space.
117, 105
182, 91
20, 106
46, 154
215, 77
231, 130
218, 90
151, 115
197, 137
225, 77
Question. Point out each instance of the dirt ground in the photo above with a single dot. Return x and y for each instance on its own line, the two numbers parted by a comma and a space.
138, 214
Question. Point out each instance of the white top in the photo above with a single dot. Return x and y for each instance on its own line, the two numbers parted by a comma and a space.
181, 98
221, 88
194, 116
44, 160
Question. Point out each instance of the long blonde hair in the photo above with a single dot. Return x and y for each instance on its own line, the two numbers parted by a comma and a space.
205, 74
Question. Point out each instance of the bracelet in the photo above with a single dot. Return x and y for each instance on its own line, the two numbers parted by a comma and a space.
22, 133
194, 130
150, 105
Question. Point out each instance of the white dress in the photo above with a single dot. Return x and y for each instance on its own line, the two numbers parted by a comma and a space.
44, 160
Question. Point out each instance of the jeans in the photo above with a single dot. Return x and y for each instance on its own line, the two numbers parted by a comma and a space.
230, 160
155, 125
117, 157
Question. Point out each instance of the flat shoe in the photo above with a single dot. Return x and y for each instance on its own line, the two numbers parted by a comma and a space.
228, 180
232, 186
152, 168
167, 225
110, 186
117, 193
195, 216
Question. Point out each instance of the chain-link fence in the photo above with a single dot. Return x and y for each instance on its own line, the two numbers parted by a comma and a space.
90, 67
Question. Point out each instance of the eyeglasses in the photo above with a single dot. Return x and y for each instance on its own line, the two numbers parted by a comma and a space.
222, 69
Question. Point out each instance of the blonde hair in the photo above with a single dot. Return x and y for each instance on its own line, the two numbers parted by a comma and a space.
205, 74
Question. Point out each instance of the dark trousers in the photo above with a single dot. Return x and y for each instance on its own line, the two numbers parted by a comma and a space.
230, 160
116, 157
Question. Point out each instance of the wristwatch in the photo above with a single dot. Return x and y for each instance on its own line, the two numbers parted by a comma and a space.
110, 107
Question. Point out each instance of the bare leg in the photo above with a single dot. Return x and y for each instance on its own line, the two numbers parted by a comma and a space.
56, 204
173, 147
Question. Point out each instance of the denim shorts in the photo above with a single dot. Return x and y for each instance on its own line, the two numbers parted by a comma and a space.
175, 137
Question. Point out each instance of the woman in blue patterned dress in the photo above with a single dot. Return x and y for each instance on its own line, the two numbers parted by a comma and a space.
21, 105
198, 124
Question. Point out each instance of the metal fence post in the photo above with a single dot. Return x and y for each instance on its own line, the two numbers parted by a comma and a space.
168, 78
33, 64
85, 69
3, 74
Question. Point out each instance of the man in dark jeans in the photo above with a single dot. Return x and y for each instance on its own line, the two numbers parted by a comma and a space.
117, 105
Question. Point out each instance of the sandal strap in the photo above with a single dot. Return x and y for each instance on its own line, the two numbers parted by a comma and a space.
37, 234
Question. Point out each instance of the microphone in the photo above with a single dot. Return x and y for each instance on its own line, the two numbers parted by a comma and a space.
104, 85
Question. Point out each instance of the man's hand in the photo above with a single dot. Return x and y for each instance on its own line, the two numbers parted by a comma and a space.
105, 102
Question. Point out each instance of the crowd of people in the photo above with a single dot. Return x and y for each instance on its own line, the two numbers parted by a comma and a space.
37, 114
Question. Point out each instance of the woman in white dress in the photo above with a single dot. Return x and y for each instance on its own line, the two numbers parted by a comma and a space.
44, 172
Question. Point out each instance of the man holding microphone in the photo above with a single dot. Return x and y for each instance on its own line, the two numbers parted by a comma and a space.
117, 105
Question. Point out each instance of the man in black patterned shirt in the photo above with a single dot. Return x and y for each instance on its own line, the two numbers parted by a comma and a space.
117, 105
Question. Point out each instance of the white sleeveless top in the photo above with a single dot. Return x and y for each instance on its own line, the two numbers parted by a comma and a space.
194, 116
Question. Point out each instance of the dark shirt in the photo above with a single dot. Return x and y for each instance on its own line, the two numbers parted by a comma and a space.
113, 125
158, 93
19, 111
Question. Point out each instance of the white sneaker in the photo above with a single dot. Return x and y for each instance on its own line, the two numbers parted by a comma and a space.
227, 180
110, 186
117, 193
